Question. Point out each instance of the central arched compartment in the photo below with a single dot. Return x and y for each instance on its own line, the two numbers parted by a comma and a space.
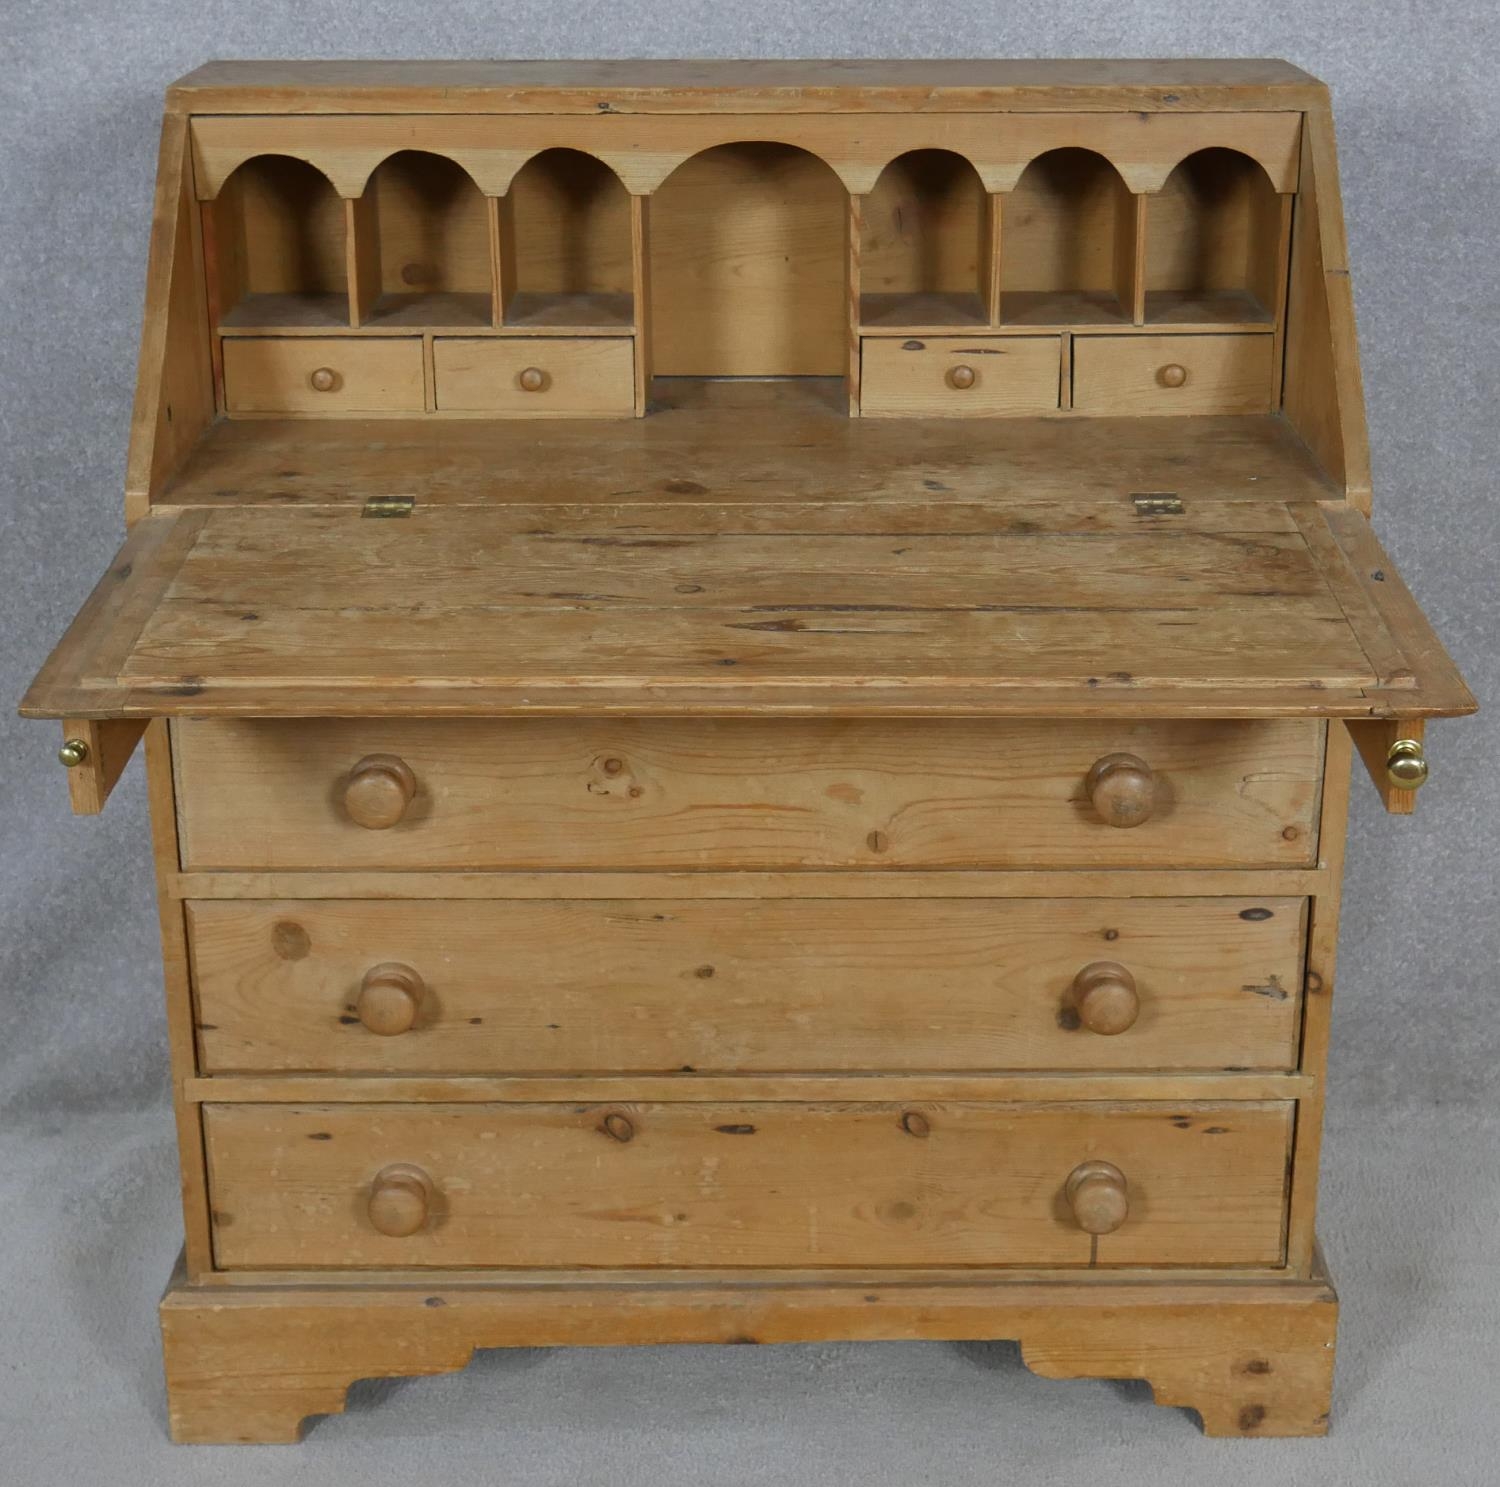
749, 265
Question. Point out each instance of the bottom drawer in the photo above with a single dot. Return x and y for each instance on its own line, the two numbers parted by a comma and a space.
780, 1184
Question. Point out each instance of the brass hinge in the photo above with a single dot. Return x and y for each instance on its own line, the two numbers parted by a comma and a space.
389, 506
1157, 503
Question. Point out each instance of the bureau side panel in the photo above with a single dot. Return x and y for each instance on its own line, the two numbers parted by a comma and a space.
179, 996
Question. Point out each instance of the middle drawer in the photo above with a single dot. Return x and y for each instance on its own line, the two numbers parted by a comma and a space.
746, 985
768, 793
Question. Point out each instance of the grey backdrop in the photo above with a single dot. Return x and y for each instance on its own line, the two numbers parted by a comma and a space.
86, 1160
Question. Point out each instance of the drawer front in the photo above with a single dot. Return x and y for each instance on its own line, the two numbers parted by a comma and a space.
746, 985
737, 793
782, 1184
534, 377
315, 374
959, 376
1172, 374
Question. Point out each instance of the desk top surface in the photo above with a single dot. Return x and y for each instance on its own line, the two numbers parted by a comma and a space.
899, 608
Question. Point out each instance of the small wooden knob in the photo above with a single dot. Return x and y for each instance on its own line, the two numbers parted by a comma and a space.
390, 997
324, 379
1104, 994
1099, 1197
962, 377
400, 1200
532, 379
378, 790
1122, 789
1172, 375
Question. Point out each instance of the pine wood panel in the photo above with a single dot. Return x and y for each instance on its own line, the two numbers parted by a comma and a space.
574, 376
1130, 374
369, 376
748, 266
708, 444
1251, 1357
174, 392
761, 85
1011, 374
431, 234
1141, 149
752, 610
728, 1185
484, 1089
567, 223
660, 985
756, 793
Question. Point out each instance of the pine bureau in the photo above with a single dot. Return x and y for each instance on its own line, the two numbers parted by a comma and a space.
749, 675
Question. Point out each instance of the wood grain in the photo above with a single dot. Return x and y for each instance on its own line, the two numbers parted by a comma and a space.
661, 985
710, 444
570, 376
1010, 374
545, 793
1253, 1358
274, 375
1130, 374
748, 266
778, 1184
753, 86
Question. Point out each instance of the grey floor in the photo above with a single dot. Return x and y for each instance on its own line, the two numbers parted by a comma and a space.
1411, 1226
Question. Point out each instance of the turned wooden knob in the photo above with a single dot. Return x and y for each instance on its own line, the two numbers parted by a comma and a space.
1122, 789
1105, 996
378, 791
532, 379
390, 997
1172, 375
400, 1200
962, 377
1098, 1195
324, 379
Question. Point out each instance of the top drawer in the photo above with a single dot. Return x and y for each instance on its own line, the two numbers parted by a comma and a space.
568, 793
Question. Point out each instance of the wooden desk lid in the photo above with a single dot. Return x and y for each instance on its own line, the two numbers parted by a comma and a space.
1076, 607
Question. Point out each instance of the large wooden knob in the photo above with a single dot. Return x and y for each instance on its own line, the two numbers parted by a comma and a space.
324, 379
378, 790
1172, 375
1122, 789
390, 997
1105, 996
962, 378
1099, 1197
532, 379
400, 1200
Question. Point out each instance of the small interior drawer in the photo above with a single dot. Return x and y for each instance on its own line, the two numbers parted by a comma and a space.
1172, 374
959, 376
744, 985
535, 377
323, 374
746, 1184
